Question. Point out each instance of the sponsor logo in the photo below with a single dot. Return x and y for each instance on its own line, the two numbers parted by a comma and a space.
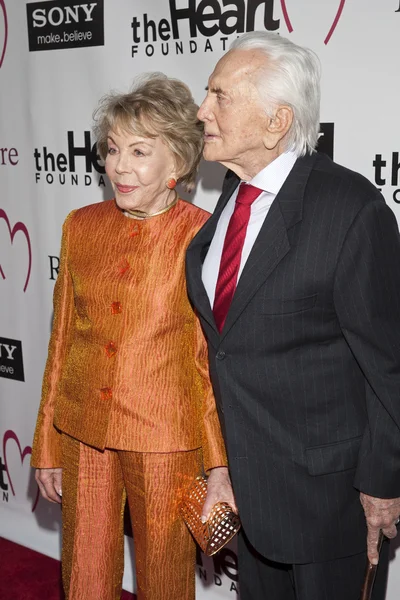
12, 233
11, 362
61, 24
204, 26
220, 570
53, 168
8, 156
387, 173
332, 28
54, 267
61, 168
3, 31
11, 469
326, 139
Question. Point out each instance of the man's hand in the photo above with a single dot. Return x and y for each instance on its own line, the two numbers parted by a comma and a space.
380, 513
219, 489
49, 482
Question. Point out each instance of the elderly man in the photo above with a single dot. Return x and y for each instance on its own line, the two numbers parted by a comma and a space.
297, 283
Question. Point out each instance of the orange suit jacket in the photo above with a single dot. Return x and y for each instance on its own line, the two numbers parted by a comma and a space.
127, 365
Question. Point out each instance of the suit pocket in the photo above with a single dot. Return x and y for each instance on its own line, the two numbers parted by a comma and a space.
332, 458
271, 306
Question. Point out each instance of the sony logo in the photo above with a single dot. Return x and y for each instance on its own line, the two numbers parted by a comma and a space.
58, 15
7, 351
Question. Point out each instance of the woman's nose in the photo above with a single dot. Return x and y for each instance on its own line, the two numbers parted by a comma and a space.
123, 164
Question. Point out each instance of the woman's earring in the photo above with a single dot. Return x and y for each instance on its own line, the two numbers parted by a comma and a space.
171, 183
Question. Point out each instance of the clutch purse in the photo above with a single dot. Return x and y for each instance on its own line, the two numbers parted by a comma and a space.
370, 572
222, 524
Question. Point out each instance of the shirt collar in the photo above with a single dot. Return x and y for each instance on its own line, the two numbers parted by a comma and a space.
273, 176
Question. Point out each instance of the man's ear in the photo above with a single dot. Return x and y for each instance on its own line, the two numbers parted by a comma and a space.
277, 126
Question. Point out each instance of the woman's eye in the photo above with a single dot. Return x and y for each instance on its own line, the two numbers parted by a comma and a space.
138, 152
111, 150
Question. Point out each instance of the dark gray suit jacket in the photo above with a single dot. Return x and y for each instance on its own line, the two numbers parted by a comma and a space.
307, 369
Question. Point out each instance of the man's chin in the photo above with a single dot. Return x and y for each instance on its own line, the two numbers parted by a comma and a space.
211, 153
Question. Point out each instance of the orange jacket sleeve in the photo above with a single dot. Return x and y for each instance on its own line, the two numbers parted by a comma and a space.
46, 442
214, 454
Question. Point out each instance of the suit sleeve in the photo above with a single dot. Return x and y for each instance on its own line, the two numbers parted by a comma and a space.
46, 441
214, 454
367, 301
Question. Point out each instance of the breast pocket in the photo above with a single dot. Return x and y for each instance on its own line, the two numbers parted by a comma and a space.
272, 306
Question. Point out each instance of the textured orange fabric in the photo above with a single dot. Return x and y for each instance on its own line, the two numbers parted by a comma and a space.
127, 365
93, 504
94, 484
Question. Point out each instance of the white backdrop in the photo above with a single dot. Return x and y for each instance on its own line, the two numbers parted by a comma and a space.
57, 58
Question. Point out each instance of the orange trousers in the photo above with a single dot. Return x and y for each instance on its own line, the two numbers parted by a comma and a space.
95, 487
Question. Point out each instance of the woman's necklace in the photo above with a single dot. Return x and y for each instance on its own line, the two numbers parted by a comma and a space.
140, 214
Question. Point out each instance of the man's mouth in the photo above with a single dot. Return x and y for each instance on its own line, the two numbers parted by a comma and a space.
209, 137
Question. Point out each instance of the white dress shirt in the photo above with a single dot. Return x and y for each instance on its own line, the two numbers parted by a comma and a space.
270, 180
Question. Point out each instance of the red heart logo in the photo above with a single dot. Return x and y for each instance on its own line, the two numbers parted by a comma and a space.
334, 24
10, 435
18, 227
3, 50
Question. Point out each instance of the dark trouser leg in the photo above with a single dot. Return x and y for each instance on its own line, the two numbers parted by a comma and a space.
260, 578
339, 579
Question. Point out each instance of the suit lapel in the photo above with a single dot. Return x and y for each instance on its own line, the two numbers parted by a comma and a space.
271, 246
272, 243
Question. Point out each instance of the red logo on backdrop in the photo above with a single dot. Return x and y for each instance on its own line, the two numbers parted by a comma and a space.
18, 227
333, 26
3, 45
8, 437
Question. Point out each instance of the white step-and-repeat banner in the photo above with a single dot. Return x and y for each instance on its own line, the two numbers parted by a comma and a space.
57, 58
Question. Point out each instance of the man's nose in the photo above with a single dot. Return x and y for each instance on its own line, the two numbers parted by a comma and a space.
204, 113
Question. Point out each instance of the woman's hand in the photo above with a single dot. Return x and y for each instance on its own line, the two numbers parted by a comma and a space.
49, 482
219, 489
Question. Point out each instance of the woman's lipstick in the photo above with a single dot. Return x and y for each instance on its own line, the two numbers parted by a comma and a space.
125, 189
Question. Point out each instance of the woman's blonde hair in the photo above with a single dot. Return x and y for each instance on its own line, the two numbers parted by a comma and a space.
156, 106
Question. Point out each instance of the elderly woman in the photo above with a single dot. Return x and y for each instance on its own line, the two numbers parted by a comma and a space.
127, 408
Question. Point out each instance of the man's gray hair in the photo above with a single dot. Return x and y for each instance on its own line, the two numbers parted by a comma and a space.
291, 77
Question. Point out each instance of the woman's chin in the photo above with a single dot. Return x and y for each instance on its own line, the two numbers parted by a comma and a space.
125, 203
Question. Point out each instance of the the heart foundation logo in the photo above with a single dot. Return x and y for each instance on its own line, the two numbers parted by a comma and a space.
23, 453
3, 43
12, 231
333, 26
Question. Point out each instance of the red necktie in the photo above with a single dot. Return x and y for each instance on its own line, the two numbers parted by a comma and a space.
232, 252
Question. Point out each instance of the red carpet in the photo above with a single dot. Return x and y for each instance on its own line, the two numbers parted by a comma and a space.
28, 575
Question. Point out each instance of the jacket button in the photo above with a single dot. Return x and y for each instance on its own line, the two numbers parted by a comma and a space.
134, 230
106, 393
220, 355
116, 308
123, 266
110, 349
